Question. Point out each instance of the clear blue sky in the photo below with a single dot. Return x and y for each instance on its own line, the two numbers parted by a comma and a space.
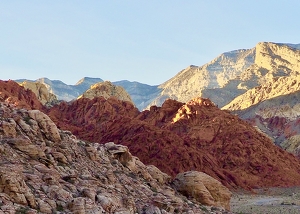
145, 41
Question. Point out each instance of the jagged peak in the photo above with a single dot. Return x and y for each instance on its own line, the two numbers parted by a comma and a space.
89, 79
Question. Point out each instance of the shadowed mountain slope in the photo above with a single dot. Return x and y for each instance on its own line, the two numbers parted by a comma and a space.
178, 137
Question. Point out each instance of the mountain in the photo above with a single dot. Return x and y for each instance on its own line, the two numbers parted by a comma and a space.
85, 83
177, 137
47, 170
232, 73
273, 106
195, 80
222, 80
64, 91
141, 94
106, 89
245, 81
281, 66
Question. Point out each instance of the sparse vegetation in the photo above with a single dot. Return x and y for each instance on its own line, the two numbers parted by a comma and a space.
27, 120
204, 209
22, 210
59, 207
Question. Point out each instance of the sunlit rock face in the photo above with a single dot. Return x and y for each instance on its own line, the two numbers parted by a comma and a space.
106, 89
203, 188
196, 80
277, 69
273, 105
232, 74
41, 92
277, 57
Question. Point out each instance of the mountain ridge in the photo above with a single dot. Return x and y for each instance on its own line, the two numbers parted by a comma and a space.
232, 73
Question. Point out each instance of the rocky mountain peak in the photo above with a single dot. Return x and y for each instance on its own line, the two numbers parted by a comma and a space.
194, 80
106, 89
40, 90
275, 73
88, 80
278, 57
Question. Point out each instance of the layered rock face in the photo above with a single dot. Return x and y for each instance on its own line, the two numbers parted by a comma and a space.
278, 118
194, 81
41, 92
232, 74
106, 89
46, 170
277, 57
178, 137
278, 69
273, 105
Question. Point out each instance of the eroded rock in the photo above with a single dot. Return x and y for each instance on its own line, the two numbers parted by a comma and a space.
203, 188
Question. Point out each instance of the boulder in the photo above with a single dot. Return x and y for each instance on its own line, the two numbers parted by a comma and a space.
46, 124
12, 183
203, 188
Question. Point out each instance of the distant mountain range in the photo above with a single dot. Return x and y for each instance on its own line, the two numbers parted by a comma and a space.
141, 94
222, 80
260, 84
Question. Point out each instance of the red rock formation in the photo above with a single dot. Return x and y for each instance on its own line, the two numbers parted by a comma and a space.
47, 170
18, 96
178, 137
175, 137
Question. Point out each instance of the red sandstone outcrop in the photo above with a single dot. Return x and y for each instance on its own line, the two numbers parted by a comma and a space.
61, 174
178, 137
175, 137
11, 92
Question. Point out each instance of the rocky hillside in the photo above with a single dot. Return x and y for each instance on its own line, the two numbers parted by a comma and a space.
46, 170
273, 105
281, 66
178, 137
279, 118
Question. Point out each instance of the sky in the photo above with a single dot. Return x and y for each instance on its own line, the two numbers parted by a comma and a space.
135, 40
